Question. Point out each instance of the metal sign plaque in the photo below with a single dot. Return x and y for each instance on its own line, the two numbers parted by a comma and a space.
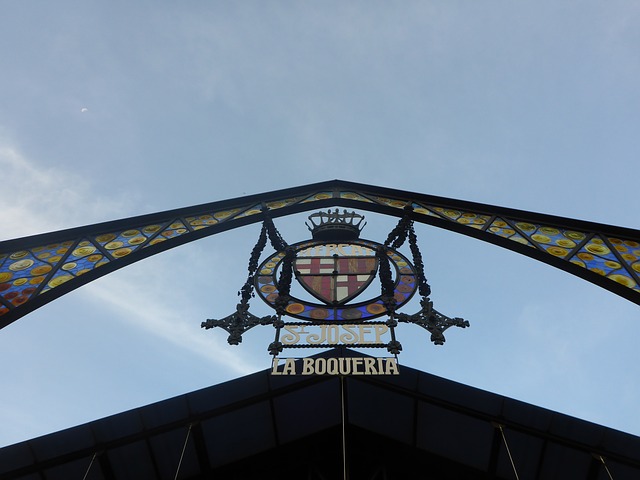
335, 366
364, 334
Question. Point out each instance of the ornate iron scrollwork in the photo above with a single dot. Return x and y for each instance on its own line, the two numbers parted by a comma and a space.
432, 320
238, 323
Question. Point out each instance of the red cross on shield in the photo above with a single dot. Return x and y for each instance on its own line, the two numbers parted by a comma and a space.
338, 279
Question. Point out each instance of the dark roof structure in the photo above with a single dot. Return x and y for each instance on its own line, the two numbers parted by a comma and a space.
411, 426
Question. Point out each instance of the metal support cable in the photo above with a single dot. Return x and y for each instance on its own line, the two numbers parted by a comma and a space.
504, 439
599, 457
184, 448
90, 464
344, 435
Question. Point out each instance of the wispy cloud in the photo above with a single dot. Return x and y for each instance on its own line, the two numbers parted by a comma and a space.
172, 323
37, 199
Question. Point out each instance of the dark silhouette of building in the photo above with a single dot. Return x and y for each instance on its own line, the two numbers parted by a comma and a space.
411, 426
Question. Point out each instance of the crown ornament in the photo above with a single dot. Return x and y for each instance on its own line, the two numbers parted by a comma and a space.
336, 226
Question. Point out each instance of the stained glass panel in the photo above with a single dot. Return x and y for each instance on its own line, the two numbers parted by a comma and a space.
28, 270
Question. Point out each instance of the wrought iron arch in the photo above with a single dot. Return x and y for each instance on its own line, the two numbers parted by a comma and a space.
37, 269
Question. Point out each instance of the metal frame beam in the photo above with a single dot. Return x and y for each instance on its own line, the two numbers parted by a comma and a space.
508, 228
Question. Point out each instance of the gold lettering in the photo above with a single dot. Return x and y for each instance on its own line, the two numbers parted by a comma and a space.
369, 368
289, 367
333, 334
341, 249
336, 366
293, 334
345, 366
312, 251
365, 330
380, 330
391, 367
321, 366
274, 367
331, 247
307, 366
315, 339
357, 362
351, 336
332, 366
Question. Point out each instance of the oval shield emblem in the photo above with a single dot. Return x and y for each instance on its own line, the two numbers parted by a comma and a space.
335, 279
335, 274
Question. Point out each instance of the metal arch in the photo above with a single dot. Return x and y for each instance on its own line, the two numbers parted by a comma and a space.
38, 269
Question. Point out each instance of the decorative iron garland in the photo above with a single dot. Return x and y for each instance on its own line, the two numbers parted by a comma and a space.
284, 282
278, 243
246, 292
423, 286
395, 240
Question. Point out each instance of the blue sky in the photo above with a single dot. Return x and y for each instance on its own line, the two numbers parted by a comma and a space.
111, 110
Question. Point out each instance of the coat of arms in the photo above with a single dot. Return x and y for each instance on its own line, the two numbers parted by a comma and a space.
334, 270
